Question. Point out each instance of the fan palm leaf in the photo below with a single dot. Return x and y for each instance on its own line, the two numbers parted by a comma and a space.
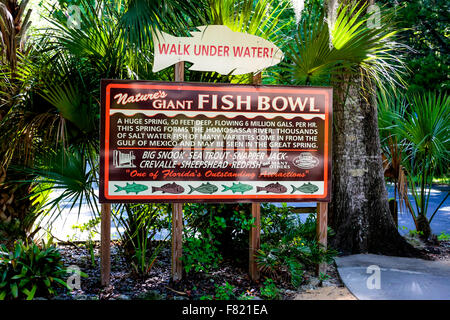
421, 127
349, 47
260, 18
99, 39
65, 171
143, 16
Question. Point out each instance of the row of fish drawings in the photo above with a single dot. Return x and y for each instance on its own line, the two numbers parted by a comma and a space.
208, 188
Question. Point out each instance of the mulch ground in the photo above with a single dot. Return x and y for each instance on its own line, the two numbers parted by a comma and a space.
125, 284
157, 285
438, 252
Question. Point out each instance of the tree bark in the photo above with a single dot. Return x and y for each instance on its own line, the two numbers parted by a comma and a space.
359, 212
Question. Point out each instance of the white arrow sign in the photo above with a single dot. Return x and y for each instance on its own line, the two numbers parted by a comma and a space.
216, 48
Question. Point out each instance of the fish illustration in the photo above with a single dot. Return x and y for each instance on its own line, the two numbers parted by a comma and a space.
237, 187
169, 188
204, 188
131, 187
273, 188
306, 188
216, 48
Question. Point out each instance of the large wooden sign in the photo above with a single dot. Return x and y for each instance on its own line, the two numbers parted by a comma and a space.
195, 142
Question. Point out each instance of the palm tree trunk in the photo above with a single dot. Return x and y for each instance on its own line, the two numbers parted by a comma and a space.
359, 212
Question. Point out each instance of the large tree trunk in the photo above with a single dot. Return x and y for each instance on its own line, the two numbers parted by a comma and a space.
359, 212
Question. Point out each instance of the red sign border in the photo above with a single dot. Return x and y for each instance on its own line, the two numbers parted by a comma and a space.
106, 86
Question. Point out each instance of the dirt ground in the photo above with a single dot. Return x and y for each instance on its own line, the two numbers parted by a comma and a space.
332, 289
326, 293
158, 286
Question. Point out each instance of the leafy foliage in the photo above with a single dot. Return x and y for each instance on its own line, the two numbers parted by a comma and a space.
200, 255
420, 126
444, 236
201, 248
291, 248
226, 291
424, 25
173, 16
29, 271
64, 170
269, 290
354, 48
226, 227
91, 228
141, 224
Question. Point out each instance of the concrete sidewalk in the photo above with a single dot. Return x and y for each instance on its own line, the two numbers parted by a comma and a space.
377, 277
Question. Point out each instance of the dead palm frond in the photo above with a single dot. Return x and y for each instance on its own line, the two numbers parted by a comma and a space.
13, 27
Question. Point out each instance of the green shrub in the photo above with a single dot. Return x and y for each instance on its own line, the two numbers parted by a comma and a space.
214, 231
278, 222
226, 224
276, 262
323, 277
269, 290
29, 271
226, 292
275, 221
200, 255
141, 224
289, 246
444, 236
91, 227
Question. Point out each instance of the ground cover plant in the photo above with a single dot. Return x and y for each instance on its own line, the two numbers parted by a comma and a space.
27, 271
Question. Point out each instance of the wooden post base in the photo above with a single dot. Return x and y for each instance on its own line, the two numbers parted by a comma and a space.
105, 249
177, 241
255, 241
322, 227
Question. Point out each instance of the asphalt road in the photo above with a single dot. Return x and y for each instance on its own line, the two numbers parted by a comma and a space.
377, 277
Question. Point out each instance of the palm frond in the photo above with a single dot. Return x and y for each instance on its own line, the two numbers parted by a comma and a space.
420, 128
65, 172
321, 55
143, 16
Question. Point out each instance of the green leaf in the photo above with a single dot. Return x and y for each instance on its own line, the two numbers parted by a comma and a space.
24, 282
46, 282
63, 283
17, 251
14, 290
30, 294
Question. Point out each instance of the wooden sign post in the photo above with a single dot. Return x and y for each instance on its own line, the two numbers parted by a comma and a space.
177, 212
321, 231
177, 241
105, 250
255, 241
255, 232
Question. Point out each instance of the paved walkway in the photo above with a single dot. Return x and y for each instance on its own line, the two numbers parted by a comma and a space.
377, 277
